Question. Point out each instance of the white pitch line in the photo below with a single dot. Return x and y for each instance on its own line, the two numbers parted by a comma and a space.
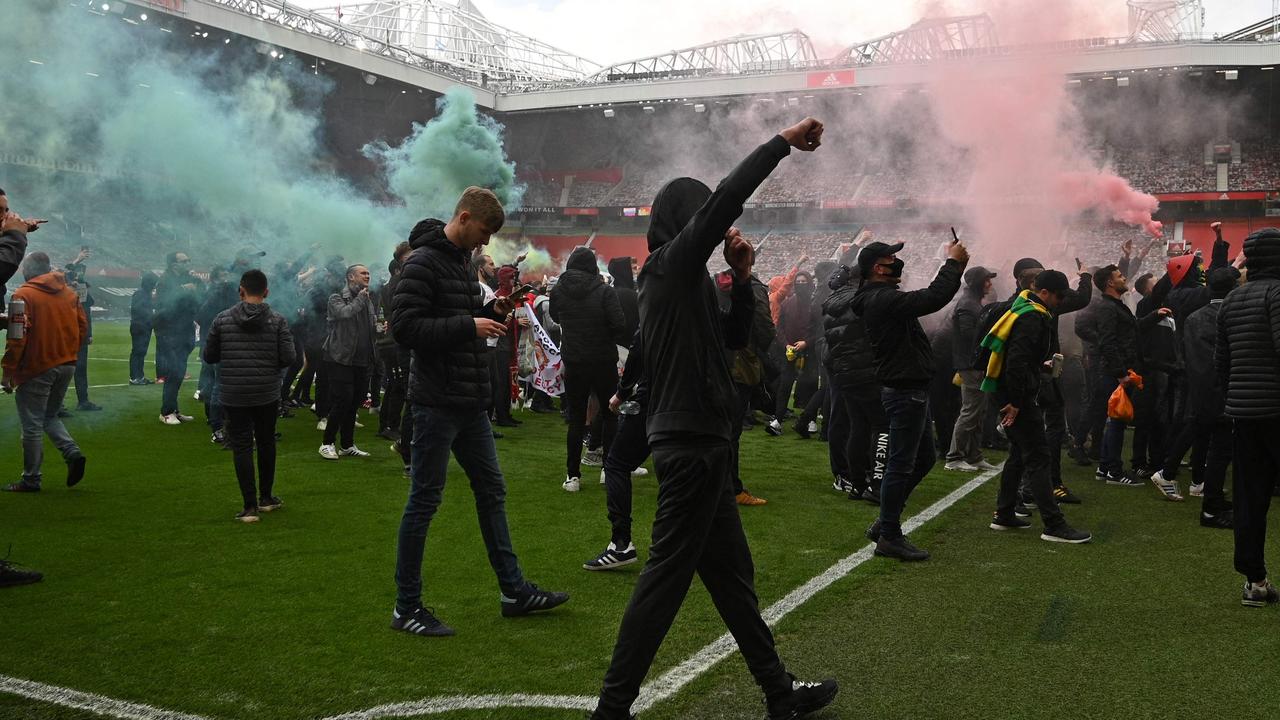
656, 691
99, 704
673, 680
439, 705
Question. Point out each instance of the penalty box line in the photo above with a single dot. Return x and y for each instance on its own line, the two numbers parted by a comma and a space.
661, 688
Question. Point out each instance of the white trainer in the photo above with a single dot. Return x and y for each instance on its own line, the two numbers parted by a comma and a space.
353, 451
323, 424
961, 465
328, 452
170, 419
639, 472
571, 484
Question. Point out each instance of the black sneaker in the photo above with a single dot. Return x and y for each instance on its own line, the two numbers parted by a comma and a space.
267, 504
1123, 480
842, 484
75, 471
871, 495
218, 437
11, 575
1063, 495
1065, 534
872, 532
1259, 594
773, 427
248, 515
531, 599
612, 558
421, 621
1022, 511
804, 698
1223, 520
901, 549
389, 434
1101, 474
1008, 523
87, 406
802, 429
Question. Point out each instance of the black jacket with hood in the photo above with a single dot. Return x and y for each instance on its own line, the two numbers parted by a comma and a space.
624, 284
433, 313
592, 325
250, 343
904, 357
1248, 342
684, 333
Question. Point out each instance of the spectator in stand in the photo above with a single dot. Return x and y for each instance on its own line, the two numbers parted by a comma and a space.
966, 438
177, 302
592, 325
76, 280
40, 365
249, 344
141, 309
1247, 358
348, 353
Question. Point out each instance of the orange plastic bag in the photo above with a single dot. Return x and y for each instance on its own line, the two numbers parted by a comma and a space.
1119, 406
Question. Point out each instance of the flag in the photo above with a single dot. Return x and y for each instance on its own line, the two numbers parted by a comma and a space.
548, 371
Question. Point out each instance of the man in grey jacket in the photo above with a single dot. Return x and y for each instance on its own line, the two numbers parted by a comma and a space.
250, 343
348, 353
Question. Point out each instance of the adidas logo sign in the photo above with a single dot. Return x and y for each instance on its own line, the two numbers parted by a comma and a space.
831, 80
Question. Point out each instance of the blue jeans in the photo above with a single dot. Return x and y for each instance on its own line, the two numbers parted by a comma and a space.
911, 455
1112, 446
39, 400
436, 432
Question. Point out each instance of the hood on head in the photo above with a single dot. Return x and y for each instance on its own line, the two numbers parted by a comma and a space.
582, 258
507, 280
673, 208
250, 316
620, 269
50, 282
426, 232
1262, 252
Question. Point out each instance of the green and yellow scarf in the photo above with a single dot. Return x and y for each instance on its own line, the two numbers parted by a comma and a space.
999, 335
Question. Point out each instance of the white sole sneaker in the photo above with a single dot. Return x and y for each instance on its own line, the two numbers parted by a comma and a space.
960, 467
571, 485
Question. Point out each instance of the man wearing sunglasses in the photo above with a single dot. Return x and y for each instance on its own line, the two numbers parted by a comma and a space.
904, 366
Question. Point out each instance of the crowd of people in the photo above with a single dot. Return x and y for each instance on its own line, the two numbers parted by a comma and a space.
667, 360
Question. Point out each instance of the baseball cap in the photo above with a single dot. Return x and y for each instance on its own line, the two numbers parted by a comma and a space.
874, 251
1053, 281
975, 276
1026, 264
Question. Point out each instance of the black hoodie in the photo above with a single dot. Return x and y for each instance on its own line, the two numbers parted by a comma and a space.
592, 325
625, 285
249, 343
433, 312
684, 333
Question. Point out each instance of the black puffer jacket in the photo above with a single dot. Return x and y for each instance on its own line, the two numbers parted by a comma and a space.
592, 325
904, 358
433, 312
1117, 338
176, 306
850, 359
249, 343
1248, 353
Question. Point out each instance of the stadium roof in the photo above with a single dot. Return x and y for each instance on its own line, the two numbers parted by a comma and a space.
434, 45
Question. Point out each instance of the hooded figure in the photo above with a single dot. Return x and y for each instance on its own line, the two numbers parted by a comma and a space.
624, 284
691, 405
588, 311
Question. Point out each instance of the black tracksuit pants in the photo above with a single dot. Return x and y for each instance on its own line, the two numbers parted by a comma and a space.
1029, 464
1257, 458
1210, 445
581, 381
347, 387
629, 451
696, 530
247, 426
859, 435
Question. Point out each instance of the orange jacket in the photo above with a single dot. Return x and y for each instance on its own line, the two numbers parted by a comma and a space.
56, 326
779, 290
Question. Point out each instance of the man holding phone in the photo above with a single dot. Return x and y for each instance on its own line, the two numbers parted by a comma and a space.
1027, 350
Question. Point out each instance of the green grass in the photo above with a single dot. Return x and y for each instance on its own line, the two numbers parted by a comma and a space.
153, 595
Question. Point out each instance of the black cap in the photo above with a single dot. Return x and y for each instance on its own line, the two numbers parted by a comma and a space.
873, 251
975, 276
1026, 264
1222, 281
1053, 281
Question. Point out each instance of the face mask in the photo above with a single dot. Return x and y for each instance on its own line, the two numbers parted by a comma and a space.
895, 270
